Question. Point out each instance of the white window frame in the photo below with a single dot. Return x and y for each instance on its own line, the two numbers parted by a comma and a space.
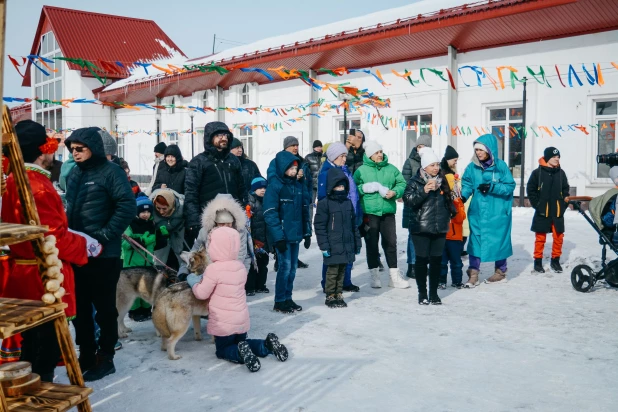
507, 132
169, 134
120, 138
337, 125
245, 97
48, 115
595, 134
204, 99
245, 135
421, 130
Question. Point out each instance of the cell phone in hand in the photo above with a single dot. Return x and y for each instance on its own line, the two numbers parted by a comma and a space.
352, 132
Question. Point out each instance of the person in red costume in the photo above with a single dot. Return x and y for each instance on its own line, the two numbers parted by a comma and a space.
39, 345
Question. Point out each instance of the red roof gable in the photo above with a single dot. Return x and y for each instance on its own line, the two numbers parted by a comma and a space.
96, 36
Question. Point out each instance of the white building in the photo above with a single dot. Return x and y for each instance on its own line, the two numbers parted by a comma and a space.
436, 34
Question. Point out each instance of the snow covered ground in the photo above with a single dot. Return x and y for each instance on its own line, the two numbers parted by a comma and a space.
532, 344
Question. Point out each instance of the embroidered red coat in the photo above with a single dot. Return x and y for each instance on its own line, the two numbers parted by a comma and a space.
24, 281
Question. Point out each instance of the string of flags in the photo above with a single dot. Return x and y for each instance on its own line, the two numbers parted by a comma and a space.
591, 73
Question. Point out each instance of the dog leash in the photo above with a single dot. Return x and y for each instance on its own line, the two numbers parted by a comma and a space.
137, 248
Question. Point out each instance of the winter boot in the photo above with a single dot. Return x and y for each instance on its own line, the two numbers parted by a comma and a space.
538, 266
272, 344
410, 273
331, 301
47, 377
375, 278
282, 307
87, 359
435, 300
435, 263
555, 265
340, 302
473, 278
422, 299
105, 366
292, 305
351, 288
302, 265
421, 277
248, 358
498, 277
251, 292
397, 280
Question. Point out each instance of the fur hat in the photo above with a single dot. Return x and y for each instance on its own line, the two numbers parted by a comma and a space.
289, 141
223, 216
317, 143
428, 156
550, 152
450, 153
371, 147
335, 150
31, 135
160, 147
144, 204
424, 140
258, 183
235, 143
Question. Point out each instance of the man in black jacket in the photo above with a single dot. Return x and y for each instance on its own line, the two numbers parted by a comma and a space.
101, 204
354, 143
249, 169
548, 189
211, 172
314, 161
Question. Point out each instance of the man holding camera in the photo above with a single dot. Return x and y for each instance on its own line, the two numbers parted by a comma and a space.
547, 190
354, 143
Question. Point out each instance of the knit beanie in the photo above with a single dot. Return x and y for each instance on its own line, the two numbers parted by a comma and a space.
30, 135
371, 147
258, 183
110, 146
144, 204
223, 216
450, 153
160, 147
317, 143
550, 152
289, 141
428, 156
424, 140
335, 150
235, 143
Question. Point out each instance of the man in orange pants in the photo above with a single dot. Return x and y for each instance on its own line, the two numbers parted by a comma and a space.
548, 189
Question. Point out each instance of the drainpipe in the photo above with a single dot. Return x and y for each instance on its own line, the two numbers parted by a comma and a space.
220, 102
451, 97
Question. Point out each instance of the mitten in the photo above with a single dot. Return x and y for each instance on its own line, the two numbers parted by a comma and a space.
326, 253
307, 242
370, 187
484, 188
383, 190
193, 279
282, 246
164, 231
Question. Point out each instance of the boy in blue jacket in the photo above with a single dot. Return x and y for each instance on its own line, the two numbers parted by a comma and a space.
286, 227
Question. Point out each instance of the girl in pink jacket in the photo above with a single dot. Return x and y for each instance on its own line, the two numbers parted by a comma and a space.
228, 319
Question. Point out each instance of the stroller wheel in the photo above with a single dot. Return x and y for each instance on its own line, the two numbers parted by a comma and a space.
582, 278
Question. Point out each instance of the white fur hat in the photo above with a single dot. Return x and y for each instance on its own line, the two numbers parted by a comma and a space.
223, 216
428, 156
371, 147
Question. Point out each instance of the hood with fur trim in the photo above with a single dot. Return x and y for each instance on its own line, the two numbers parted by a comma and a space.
223, 202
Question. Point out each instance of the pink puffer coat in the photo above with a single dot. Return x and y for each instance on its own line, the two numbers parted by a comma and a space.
224, 283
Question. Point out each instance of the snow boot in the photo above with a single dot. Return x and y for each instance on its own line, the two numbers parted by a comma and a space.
397, 280
457, 285
442, 286
331, 301
538, 266
411, 273
302, 265
105, 366
422, 298
282, 307
340, 302
473, 278
351, 288
292, 305
498, 277
248, 358
87, 360
263, 289
421, 277
435, 263
435, 300
555, 265
251, 293
375, 278
277, 348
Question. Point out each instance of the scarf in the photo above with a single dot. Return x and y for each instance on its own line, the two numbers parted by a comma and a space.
427, 178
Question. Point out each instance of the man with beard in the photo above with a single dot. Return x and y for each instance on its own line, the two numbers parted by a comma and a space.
214, 171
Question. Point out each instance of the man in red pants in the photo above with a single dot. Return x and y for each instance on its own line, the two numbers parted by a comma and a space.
548, 188
39, 345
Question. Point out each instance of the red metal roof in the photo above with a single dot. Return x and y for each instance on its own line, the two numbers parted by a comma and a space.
468, 27
96, 36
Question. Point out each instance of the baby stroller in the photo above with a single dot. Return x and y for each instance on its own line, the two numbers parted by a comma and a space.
583, 277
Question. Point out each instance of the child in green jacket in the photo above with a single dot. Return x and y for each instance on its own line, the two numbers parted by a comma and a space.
142, 230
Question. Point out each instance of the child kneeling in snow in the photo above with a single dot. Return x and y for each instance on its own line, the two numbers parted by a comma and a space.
224, 283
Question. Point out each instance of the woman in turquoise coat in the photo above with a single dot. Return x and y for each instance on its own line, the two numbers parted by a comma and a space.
490, 183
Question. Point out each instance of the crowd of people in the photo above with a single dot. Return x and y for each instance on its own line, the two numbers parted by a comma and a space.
344, 192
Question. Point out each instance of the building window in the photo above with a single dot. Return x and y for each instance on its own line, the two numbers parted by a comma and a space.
121, 145
244, 95
415, 126
199, 133
173, 105
172, 135
205, 100
343, 128
505, 125
49, 87
605, 117
246, 138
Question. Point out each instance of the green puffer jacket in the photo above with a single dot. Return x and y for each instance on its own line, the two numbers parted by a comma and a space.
385, 174
142, 231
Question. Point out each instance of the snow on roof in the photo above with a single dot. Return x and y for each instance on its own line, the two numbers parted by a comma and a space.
382, 17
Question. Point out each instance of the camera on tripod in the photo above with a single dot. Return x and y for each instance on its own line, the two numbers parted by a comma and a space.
610, 159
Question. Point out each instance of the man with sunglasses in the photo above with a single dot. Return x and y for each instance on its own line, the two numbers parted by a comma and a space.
215, 170
101, 204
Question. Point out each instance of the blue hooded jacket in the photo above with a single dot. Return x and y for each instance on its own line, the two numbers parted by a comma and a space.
489, 215
352, 193
283, 200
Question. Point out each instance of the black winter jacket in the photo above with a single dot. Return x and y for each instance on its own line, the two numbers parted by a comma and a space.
410, 169
430, 213
335, 222
99, 198
249, 171
210, 173
314, 161
174, 176
259, 230
547, 187
354, 160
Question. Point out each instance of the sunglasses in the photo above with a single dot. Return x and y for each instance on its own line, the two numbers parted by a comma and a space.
78, 149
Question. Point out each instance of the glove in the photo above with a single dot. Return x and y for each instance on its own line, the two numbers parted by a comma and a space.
484, 188
307, 242
146, 234
164, 231
282, 246
193, 279
371, 187
326, 253
358, 250
383, 191
93, 247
